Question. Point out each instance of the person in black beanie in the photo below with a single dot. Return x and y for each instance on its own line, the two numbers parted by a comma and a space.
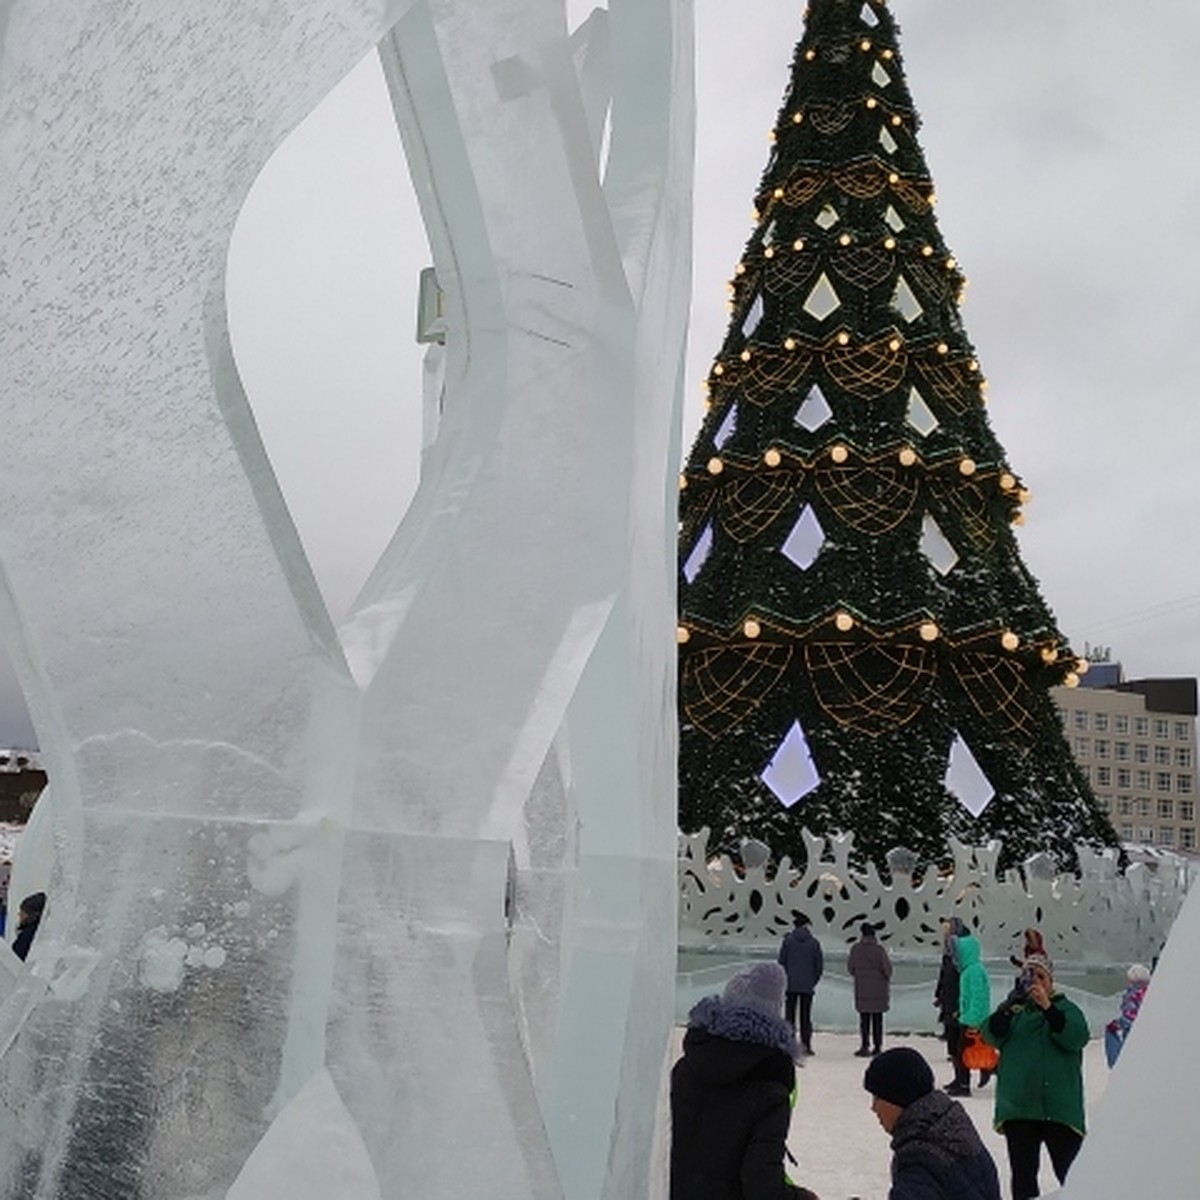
937, 1153
731, 1094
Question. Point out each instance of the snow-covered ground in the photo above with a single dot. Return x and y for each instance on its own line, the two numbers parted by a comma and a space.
842, 1151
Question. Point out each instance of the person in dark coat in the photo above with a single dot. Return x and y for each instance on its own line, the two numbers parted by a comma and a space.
731, 1094
800, 956
937, 1153
871, 970
28, 919
945, 991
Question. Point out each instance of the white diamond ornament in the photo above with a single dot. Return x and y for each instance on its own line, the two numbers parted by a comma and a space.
727, 428
753, 316
965, 779
937, 548
823, 300
828, 217
792, 774
699, 556
868, 17
905, 302
804, 543
894, 220
815, 410
919, 415
880, 77
887, 141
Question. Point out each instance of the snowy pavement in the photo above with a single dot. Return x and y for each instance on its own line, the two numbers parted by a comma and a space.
842, 1151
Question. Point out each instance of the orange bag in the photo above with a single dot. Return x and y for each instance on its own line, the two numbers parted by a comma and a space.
977, 1055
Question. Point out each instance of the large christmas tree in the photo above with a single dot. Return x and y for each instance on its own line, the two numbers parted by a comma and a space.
855, 618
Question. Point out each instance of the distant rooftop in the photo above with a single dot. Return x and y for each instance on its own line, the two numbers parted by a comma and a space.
1167, 695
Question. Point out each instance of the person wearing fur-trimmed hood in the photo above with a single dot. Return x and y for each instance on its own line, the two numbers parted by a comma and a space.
731, 1094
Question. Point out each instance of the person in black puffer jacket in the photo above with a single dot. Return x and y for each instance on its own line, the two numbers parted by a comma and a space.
731, 1094
937, 1153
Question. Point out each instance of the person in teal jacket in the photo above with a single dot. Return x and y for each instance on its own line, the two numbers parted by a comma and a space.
974, 1006
1039, 1084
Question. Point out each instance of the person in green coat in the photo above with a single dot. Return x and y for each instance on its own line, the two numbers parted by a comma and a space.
1039, 1084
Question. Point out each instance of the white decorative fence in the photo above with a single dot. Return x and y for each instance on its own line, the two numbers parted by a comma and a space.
1094, 925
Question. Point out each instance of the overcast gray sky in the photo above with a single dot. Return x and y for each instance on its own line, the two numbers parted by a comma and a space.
1061, 136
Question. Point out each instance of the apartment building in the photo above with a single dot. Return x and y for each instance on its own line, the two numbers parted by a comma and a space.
1136, 742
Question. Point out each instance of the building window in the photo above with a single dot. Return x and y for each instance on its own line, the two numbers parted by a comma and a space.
1141, 752
1146, 835
1100, 722
1182, 732
1183, 758
1121, 751
1187, 810
1123, 780
1162, 756
1121, 723
1143, 778
1083, 745
1125, 806
1081, 720
1187, 838
1166, 835
1183, 784
1162, 781
1104, 803
1104, 776
1102, 747
1127, 833
1141, 726
1162, 727
1166, 810
1143, 806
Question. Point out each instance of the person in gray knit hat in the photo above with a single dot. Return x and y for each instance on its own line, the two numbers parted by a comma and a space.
731, 1094
937, 1153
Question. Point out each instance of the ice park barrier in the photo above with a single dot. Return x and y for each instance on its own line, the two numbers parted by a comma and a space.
1094, 924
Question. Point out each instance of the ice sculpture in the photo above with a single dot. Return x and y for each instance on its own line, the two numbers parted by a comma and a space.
426, 909
1143, 1135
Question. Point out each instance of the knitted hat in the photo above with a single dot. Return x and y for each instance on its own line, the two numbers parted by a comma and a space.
900, 1076
760, 987
1039, 960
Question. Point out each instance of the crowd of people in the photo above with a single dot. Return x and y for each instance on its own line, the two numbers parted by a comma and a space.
733, 1088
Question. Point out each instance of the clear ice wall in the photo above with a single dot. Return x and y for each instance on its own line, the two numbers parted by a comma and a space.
385, 910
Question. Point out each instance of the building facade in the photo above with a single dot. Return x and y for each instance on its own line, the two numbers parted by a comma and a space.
1136, 742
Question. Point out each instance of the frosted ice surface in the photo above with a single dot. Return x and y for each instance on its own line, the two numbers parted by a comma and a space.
313, 1151
1142, 1137
442, 873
